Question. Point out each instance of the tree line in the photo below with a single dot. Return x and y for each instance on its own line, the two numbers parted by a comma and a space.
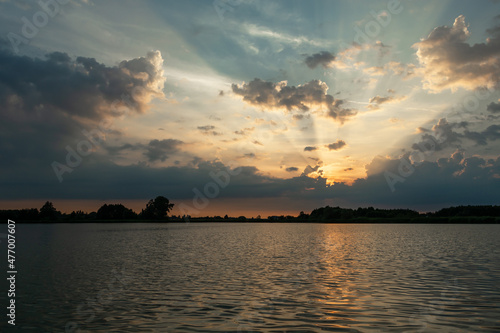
458, 214
157, 210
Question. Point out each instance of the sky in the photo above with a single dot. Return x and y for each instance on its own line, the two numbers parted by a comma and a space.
246, 107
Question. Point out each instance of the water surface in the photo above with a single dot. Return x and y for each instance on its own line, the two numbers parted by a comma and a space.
217, 277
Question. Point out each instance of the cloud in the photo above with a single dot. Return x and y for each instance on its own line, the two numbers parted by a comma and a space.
309, 169
82, 88
209, 130
395, 120
447, 61
494, 107
161, 149
206, 127
116, 150
405, 70
47, 103
260, 31
445, 134
310, 148
348, 57
155, 150
380, 100
249, 155
292, 169
447, 181
279, 95
103, 180
339, 144
323, 58
300, 116
376, 101
375, 71
491, 133
441, 135
245, 131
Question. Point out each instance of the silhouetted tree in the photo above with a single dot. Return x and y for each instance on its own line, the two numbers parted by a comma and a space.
26, 214
336, 213
468, 211
115, 212
48, 212
157, 209
78, 215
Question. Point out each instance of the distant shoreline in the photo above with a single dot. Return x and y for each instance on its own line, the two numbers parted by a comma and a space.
418, 220
157, 212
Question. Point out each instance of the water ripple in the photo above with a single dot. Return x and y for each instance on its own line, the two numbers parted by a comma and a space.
260, 278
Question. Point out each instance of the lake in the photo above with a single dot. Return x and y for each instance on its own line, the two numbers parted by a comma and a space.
217, 277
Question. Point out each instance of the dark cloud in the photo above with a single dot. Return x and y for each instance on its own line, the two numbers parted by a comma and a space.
155, 150
48, 104
449, 62
292, 169
380, 100
449, 181
445, 134
422, 130
80, 88
249, 155
491, 133
310, 148
323, 58
209, 130
441, 135
339, 144
298, 116
281, 96
309, 169
206, 128
100, 179
245, 131
494, 107
161, 149
116, 150
376, 101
